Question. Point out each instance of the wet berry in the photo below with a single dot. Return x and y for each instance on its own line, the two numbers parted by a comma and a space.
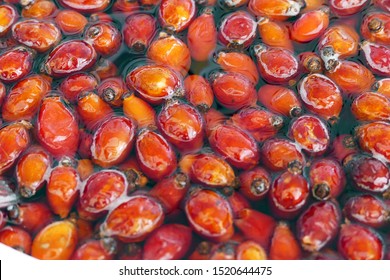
138, 31
250, 250
86, 6
347, 8
139, 110
371, 106
198, 92
8, 15
95, 250
356, 242
377, 58
16, 238
15, 64
71, 22
39, 9
209, 214
375, 27
278, 10
176, 15
284, 245
255, 183
318, 225
274, 33
169, 242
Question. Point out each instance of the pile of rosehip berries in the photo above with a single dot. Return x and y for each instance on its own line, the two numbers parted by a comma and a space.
184, 129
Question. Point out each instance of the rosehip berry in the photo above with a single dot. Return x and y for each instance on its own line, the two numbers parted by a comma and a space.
375, 27
16, 238
138, 31
86, 6
38, 35
274, 33
202, 36
368, 210
383, 86
318, 225
343, 148
102, 249
209, 214
237, 30
310, 63
71, 22
276, 65
73, 85
327, 179
15, 64
125, 6
198, 92
277, 10
288, 194
377, 58
280, 100
39, 9
374, 138
104, 37
347, 8
256, 226
134, 219
284, 245
139, 110
371, 106
155, 155
360, 243
169, 242
8, 15
208, 169
255, 183
57, 241
233, 143
223, 251
155, 83
260, 123
176, 15
24, 98
250, 250
281, 154
311, 134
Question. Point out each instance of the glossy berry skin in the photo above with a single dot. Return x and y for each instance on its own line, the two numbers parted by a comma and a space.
327, 179
347, 8
134, 219
3, 92
237, 201
284, 245
277, 10
281, 154
370, 174
233, 91
239, 63
16, 238
371, 106
368, 210
311, 134
280, 100
255, 183
318, 225
126, 7
209, 214
31, 171
92, 109
256, 226
94, 250
321, 96
276, 65
62, 189
208, 169
56, 241
113, 141
343, 147
71, 22
14, 139
139, 111
182, 125
24, 98
342, 38
176, 15
86, 6
356, 242
383, 86
15, 64
310, 63
274, 33
155, 83
38, 35
32, 216
73, 85
237, 30
377, 57
111, 90
172, 52
260, 123
39, 9
202, 36
233, 143
104, 37
250, 250
57, 128
288, 194
138, 31
169, 242
310, 25
8, 16
351, 77
198, 92
155, 155
171, 191
99, 191
375, 28
374, 138
81, 54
